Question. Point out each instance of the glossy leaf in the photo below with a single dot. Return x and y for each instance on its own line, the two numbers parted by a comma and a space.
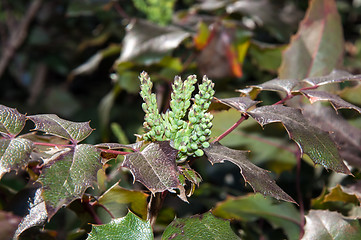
11, 121
311, 140
330, 225
317, 47
8, 223
129, 227
258, 178
255, 206
199, 227
117, 198
338, 194
68, 174
52, 124
335, 100
336, 76
155, 167
278, 85
242, 104
37, 214
14, 154
346, 136
146, 39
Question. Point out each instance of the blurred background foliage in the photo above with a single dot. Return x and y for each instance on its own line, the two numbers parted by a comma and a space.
80, 59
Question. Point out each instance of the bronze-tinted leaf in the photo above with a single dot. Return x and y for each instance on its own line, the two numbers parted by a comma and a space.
242, 104
335, 100
258, 178
278, 85
156, 168
311, 140
334, 77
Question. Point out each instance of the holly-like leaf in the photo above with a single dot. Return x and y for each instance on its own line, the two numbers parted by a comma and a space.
324, 225
37, 214
258, 178
336, 76
146, 39
52, 124
338, 194
335, 100
278, 85
242, 104
68, 174
199, 227
11, 121
156, 168
117, 199
319, 35
14, 154
255, 206
129, 227
311, 140
346, 136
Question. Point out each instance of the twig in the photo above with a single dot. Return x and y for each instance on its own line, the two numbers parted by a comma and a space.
18, 35
229, 130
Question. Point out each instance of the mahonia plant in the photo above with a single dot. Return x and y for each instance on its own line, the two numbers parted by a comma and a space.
188, 133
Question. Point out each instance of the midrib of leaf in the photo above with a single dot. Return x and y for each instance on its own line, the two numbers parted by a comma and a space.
324, 227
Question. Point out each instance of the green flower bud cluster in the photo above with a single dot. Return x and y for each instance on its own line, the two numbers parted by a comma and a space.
189, 137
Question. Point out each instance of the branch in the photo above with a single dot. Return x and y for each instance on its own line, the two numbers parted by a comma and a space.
18, 35
228, 131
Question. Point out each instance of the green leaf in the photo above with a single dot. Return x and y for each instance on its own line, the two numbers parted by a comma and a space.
255, 206
338, 194
242, 104
266, 57
14, 154
117, 198
317, 48
156, 168
258, 178
68, 174
325, 225
37, 214
335, 100
311, 140
52, 124
11, 121
150, 42
129, 227
199, 227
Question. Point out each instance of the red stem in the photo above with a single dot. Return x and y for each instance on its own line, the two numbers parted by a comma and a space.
102, 206
114, 151
229, 130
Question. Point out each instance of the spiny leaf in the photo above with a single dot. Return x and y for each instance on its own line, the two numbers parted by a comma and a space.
258, 178
11, 121
37, 214
68, 174
200, 227
278, 85
242, 104
335, 100
117, 198
346, 136
129, 227
255, 206
335, 76
318, 46
324, 225
156, 168
52, 124
14, 154
145, 39
311, 140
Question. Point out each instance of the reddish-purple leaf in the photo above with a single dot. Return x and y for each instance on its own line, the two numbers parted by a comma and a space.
242, 104
323, 224
311, 140
11, 121
67, 174
14, 154
52, 124
334, 77
317, 48
258, 178
156, 168
346, 136
335, 100
278, 85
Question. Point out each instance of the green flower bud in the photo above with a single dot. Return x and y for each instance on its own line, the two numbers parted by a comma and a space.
199, 153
